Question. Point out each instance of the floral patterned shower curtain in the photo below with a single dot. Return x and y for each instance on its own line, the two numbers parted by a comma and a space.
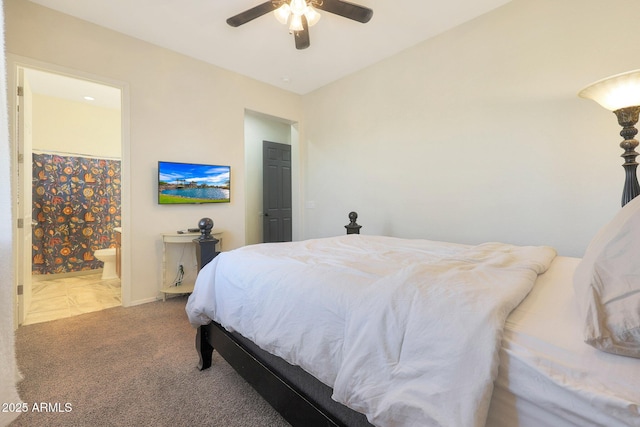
76, 204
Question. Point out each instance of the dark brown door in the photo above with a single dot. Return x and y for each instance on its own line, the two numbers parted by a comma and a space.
276, 184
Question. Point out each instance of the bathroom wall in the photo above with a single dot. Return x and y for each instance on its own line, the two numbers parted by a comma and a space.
76, 183
76, 127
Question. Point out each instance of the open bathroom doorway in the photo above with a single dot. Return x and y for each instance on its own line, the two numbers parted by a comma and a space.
71, 173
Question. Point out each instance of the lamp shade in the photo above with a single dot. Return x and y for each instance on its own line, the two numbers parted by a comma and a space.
296, 23
312, 16
282, 13
615, 92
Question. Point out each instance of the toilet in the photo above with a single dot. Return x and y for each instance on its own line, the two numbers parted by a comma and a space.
108, 257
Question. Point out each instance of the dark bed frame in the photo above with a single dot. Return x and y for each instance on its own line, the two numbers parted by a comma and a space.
300, 398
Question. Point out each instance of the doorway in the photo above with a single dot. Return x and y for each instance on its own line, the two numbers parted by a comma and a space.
75, 122
259, 127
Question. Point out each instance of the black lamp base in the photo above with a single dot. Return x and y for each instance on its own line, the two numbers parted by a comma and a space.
627, 118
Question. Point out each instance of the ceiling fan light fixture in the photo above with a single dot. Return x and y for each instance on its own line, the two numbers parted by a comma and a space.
296, 23
291, 12
282, 13
312, 16
298, 7
299, 15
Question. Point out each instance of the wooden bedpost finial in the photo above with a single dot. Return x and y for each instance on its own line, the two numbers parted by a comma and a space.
205, 225
353, 227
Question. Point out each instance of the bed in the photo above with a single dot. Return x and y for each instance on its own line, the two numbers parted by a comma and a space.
519, 356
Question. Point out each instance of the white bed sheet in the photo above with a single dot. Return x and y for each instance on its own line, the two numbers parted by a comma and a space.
406, 331
548, 376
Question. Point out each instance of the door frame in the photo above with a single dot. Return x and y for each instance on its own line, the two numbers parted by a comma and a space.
15, 62
22, 202
258, 127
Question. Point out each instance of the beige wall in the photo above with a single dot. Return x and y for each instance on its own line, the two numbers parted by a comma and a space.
179, 109
474, 135
478, 134
66, 126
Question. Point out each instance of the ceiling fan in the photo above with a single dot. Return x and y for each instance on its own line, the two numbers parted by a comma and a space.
301, 14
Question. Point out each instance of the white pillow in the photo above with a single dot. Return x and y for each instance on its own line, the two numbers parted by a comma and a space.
607, 285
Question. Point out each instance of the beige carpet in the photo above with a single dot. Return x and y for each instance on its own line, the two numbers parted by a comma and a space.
130, 367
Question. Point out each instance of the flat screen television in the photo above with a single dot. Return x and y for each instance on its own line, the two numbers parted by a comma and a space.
192, 183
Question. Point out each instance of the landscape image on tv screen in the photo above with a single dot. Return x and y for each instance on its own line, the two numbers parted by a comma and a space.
180, 183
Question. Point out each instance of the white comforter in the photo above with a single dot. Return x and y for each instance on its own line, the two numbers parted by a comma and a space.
405, 331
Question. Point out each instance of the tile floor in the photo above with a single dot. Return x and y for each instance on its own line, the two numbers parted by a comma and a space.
71, 296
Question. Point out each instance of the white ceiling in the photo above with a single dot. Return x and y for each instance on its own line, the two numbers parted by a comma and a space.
263, 49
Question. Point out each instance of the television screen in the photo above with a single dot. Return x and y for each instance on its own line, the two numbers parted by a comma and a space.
180, 183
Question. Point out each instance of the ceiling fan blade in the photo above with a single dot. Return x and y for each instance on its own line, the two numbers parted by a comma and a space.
251, 14
302, 37
345, 9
